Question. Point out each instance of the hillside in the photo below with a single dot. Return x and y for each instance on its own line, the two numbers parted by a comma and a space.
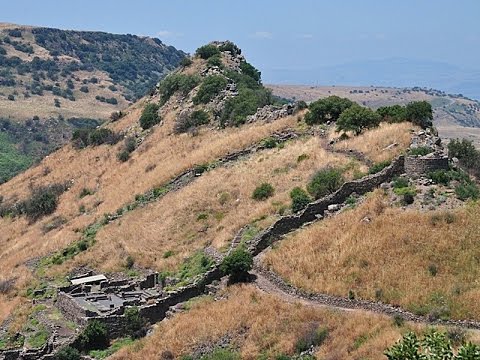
455, 116
53, 81
133, 226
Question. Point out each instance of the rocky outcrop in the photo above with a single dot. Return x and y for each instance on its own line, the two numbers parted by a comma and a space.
271, 113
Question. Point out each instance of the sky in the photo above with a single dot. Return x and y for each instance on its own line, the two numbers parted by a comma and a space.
281, 36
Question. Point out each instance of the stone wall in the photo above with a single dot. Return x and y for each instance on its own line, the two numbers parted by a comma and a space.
416, 166
316, 209
70, 308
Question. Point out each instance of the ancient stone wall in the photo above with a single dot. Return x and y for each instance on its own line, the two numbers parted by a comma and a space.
416, 166
70, 308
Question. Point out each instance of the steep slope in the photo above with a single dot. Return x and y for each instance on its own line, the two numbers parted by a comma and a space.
205, 164
53, 81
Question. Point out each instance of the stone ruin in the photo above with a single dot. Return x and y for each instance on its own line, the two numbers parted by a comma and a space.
91, 296
270, 113
418, 166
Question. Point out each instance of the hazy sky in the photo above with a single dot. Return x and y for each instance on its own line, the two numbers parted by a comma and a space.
274, 35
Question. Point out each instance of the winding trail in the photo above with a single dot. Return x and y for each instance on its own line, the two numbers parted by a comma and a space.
269, 282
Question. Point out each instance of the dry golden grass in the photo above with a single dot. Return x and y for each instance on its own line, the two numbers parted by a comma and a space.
114, 183
393, 257
223, 196
271, 327
374, 142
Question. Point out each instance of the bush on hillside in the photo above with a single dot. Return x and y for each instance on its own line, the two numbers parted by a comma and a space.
467, 190
249, 70
94, 336
230, 46
135, 326
42, 201
186, 61
215, 60
392, 114
177, 82
263, 191
420, 113
246, 103
324, 182
300, 199
67, 353
328, 109
237, 264
357, 119
210, 88
102, 136
186, 121
207, 51
150, 116
466, 153
434, 345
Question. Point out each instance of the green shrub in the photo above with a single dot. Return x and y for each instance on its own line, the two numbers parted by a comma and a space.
67, 353
43, 201
301, 105
185, 121
85, 192
209, 89
324, 182
94, 336
135, 323
207, 51
215, 60
440, 177
467, 191
221, 354
237, 264
419, 113
150, 116
357, 118
434, 345
186, 61
300, 199
177, 82
375, 168
392, 114
263, 191
249, 70
270, 143
408, 198
230, 46
465, 152
420, 151
102, 136
327, 109
400, 182
123, 156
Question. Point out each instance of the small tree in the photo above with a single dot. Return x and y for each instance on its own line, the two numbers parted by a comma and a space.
263, 191
357, 118
150, 116
237, 264
135, 323
211, 87
300, 199
207, 51
420, 113
67, 353
95, 336
324, 182
328, 109
392, 114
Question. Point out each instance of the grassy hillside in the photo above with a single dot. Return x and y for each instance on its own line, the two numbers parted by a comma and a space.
455, 116
72, 78
170, 184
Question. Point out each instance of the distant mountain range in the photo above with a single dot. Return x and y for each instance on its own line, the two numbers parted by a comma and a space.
393, 72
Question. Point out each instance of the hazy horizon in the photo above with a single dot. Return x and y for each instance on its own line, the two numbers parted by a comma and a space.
309, 42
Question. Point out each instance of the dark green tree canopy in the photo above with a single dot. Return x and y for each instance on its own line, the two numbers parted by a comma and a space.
328, 109
357, 118
420, 113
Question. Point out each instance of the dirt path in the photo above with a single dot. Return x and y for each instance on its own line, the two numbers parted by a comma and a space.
271, 283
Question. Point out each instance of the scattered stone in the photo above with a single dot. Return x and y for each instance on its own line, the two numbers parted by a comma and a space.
334, 207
